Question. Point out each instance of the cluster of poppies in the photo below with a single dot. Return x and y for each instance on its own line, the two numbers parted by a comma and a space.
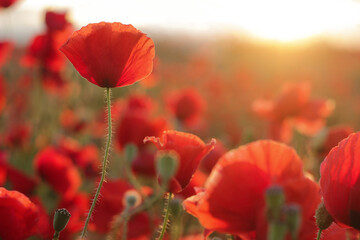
261, 189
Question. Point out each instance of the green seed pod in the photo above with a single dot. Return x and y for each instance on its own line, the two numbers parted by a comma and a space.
61, 218
167, 163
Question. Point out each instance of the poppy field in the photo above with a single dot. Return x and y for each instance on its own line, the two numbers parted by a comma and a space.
108, 132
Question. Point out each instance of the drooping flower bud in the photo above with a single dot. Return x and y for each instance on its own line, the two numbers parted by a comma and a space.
61, 218
167, 163
275, 199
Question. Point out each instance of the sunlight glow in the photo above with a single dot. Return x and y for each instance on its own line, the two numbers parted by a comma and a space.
280, 20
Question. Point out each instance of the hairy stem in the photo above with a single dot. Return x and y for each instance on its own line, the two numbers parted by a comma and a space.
166, 217
103, 170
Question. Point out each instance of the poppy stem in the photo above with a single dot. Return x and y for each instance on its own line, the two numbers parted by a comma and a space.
56, 236
166, 217
104, 165
319, 234
124, 231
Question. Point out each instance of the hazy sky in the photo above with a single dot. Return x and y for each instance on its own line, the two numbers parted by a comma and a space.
282, 20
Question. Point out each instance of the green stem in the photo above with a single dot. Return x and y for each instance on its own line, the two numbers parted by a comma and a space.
128, 214
166, 217
124, 232
103, 170
319, 235
56, 236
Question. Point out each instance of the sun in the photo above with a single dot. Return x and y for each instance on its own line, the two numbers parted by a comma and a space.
285, 20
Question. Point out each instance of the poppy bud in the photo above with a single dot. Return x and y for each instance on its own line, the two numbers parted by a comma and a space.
167, 163
61, 218
275, 199
130, 152
131, 199
323, 218
293, 219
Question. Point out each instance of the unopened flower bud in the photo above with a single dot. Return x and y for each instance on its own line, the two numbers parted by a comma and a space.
167, 163
323, 217
293, 219
61, 218
131, 199
130, 153
275, 200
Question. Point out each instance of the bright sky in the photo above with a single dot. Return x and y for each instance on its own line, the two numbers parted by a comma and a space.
280, 20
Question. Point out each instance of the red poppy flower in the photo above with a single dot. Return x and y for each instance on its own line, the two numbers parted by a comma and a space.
110, 54
59, 171
191, 150
3, 163
6, 48
187, 105
111, 204
340, 182
144, 163
20, 216
333, 136
239, 208
135, 126
211, 159
293, 108
2, 93
43, 50
71, 121
6, 3
56, 21
20, 181
44, 224
17, 135
88, 159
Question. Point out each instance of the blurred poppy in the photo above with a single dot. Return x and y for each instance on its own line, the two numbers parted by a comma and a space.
2, 93
144, 163
17, 135
239, 208
187, 105
111, 204
340, 182
71, 121
43, 50
20, 181
332, 137
126, 58
59, 171
56, 21
135, 126
88, 159
6, 48
3, 163
6, 3
211, 159
293, 108
191, 150
44, 225
20, 216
